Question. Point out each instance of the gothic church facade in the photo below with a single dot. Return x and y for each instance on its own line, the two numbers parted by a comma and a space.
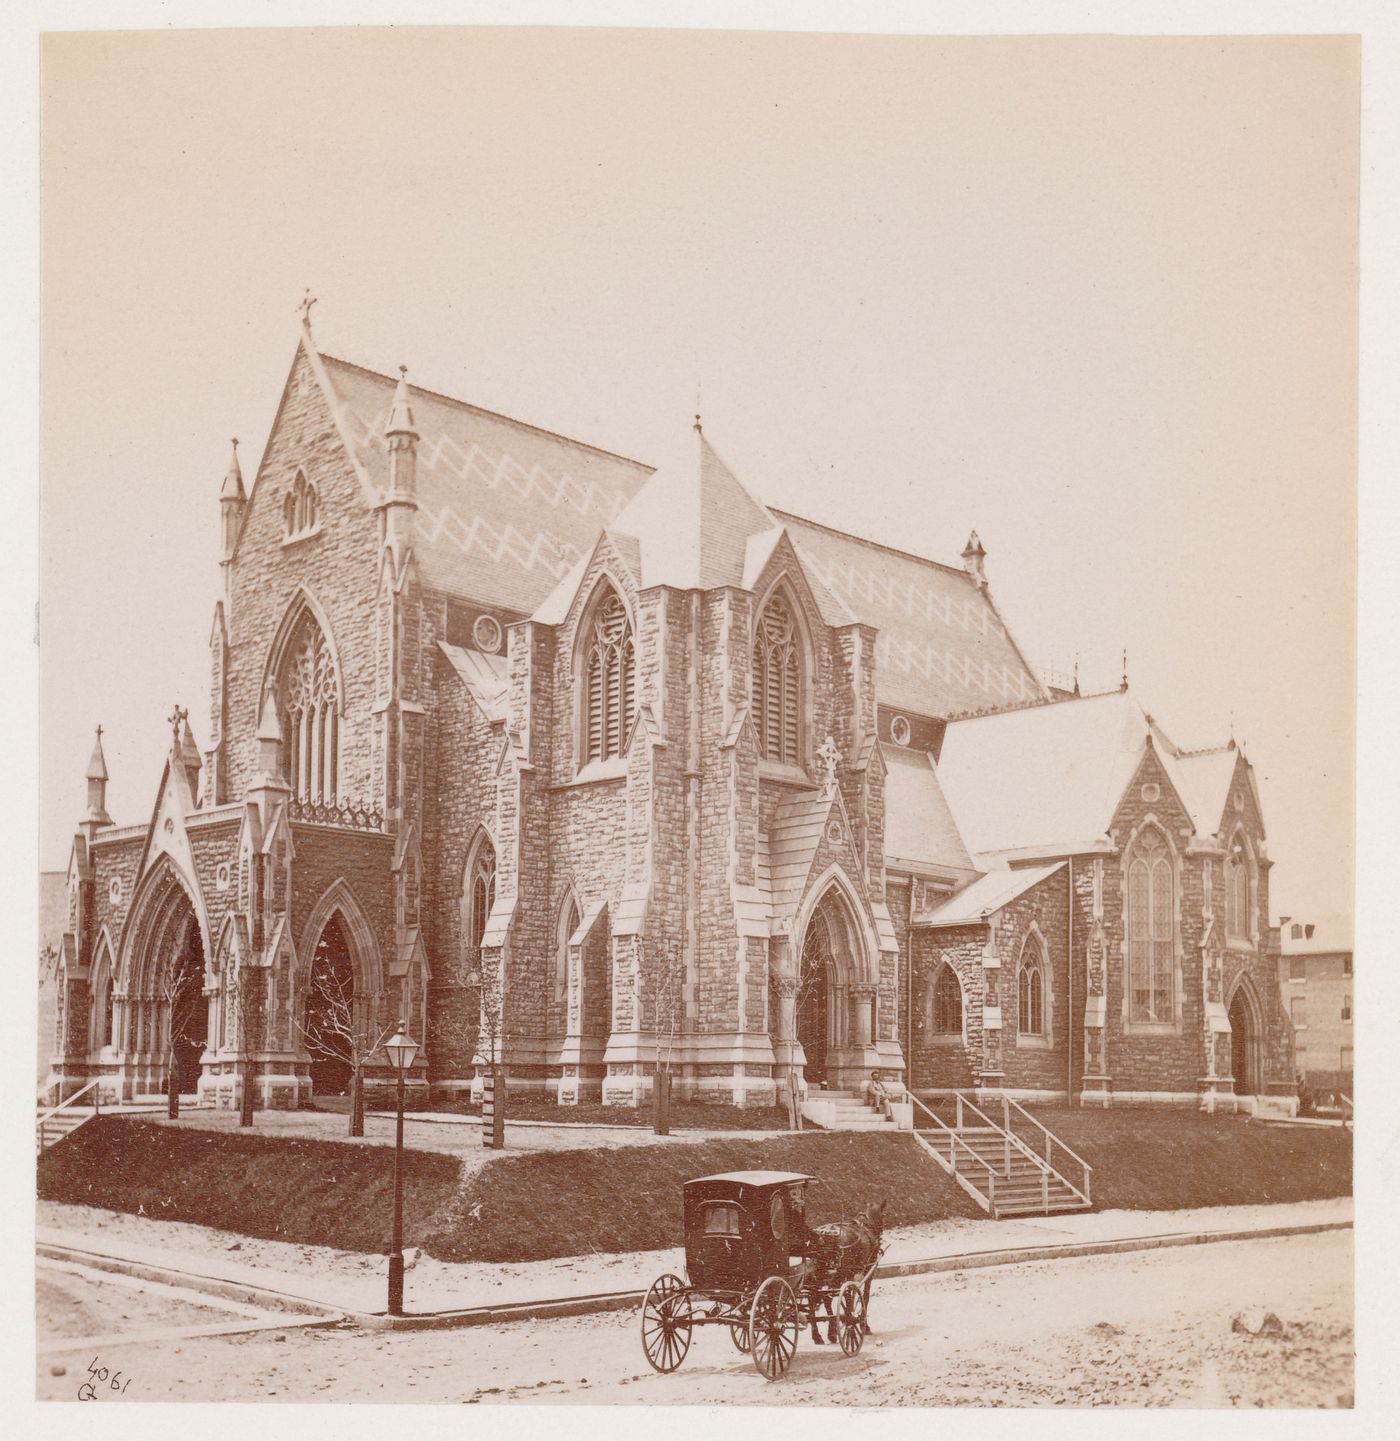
555, 757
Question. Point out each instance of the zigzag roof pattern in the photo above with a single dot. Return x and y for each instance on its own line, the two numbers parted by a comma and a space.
941, 649
504, 508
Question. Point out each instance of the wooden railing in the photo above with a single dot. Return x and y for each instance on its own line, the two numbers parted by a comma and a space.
64, 1105
945, 1132
1051, 1143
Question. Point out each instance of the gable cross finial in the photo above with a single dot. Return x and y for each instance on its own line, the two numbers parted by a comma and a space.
307, 301
176, 718
1124, 686
697, 405
830, 757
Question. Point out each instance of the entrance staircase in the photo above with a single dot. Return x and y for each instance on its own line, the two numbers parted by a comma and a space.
1006, 1160
854, 1112
52, 1125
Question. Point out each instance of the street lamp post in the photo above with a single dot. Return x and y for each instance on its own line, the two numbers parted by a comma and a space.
401, 1050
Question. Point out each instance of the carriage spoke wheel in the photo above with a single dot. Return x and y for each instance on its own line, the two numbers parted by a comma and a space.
666, 1323
773, 1327
850, 1318
739, 1335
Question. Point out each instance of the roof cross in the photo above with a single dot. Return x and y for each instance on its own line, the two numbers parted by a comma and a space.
307, 301
176, 718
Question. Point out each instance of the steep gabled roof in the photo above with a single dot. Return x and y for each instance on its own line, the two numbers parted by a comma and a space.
504, 508
1047, 776
691, 524
1202, 780
942, 649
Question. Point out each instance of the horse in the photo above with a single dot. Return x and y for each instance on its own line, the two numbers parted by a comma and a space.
842, 1250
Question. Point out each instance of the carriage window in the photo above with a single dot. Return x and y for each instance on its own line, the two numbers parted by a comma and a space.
721, 1220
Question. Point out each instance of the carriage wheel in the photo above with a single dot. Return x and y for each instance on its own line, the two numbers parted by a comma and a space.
773, 1327
739, 1335
850, 1318
666, 1322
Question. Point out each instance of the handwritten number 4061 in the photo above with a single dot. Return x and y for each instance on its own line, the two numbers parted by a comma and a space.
99, 1376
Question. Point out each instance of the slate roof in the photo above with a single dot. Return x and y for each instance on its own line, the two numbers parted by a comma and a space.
504, 508
919, 826
485, 677
1047, 776
987, 895
942, 648
1202, 779
786, 851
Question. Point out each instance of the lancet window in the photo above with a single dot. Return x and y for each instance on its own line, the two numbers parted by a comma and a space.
610, 681
777, 684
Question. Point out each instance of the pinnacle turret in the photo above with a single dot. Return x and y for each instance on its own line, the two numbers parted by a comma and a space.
974, 558
97, 787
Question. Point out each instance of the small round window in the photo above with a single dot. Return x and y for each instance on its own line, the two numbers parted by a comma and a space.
1151, 792
900, 731
486, 632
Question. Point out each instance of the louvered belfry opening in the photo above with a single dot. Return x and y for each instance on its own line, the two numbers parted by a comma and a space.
610, 680
311, 716
777, 684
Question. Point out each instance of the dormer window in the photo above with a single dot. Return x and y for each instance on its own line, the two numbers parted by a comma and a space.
609, 681
777, 684
300, 511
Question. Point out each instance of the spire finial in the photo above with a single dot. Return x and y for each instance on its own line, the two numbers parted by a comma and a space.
698, 426
307, 301
1124, 686
401, 413
97, 765
1076, 672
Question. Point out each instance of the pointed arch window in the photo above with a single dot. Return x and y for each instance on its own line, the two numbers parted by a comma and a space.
568, 924
310, 700
478, 896
1237, 892
610, 680
300, 508
777, 684
1032, 1020
1151, 930
947, 1018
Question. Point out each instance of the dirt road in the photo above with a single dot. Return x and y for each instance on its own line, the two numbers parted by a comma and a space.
1141, 1329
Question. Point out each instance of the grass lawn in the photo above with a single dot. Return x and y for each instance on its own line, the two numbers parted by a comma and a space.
685, 1115
566, 1203
1148, 1159
319, 1193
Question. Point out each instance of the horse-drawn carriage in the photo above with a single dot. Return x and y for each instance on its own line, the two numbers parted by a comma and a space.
754, 1266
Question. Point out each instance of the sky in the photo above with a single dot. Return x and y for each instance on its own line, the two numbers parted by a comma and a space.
1095, 297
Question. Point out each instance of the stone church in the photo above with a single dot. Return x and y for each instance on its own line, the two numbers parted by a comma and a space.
564, 759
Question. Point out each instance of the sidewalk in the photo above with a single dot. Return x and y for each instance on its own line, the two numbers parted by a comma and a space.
436, 1292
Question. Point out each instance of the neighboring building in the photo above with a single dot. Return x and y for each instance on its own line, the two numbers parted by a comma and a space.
493, 711
1315, 976
53, 917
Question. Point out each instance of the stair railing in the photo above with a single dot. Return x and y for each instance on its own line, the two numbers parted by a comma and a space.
1348, 1110
1052, 1142
1008, 1137
946, 1132
63, 1106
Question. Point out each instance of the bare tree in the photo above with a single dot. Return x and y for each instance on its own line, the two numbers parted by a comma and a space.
180, 990
662, 970
488, 982
340, 1035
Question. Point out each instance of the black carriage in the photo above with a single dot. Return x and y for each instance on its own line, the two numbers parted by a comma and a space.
754, 1265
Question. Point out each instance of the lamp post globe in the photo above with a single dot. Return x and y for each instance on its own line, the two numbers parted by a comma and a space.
401, 1050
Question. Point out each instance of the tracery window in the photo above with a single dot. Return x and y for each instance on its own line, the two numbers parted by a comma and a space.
479, 894
610, 679
1151, 933
1237, 878
1031, 1017
777, 684
311, 716
947, 1003
300, 511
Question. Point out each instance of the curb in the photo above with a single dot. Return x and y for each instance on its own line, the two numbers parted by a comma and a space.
624, 1300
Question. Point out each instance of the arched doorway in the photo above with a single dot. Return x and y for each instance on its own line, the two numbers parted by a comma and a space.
814, 995
329, 1020
183, 985
1244, 1036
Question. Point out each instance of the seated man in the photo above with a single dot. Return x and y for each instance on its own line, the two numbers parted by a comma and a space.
879, 1096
